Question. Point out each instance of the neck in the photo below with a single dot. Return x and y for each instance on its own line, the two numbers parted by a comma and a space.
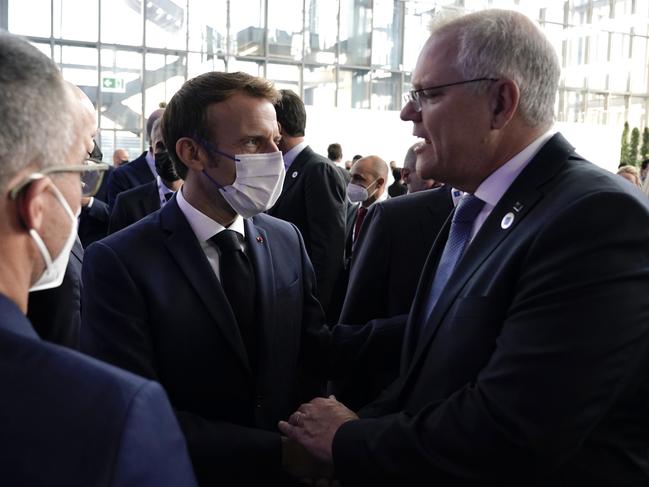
289, 142
14, 280
207, 199
172, 185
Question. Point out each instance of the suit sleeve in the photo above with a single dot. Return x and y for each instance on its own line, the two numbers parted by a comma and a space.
366, 292
153, 452
573, 340
325, 209
118, 216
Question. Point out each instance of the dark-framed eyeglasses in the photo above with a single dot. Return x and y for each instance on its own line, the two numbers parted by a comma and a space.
415, 96
91, 172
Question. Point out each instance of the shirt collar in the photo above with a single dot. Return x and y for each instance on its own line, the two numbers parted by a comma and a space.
498, 182
14, 320
203, 226
150, 160
290, 156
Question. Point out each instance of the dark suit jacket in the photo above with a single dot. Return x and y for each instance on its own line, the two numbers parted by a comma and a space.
533, 368
102, 192
93, 222
390, 252
397, 189
313, 199
70, 420
127, 176
152, 305
133, 205
56, 313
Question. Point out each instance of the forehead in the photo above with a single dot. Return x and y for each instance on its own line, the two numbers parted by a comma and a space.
242, 115
436, 61
361, 167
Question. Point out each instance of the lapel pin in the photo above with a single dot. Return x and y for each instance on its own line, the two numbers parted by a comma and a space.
260, 239
518, 206
294, 175
507, 221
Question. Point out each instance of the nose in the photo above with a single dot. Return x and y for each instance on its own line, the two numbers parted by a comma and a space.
408, 113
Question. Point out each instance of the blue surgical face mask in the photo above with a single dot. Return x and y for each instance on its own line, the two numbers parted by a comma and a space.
257, 184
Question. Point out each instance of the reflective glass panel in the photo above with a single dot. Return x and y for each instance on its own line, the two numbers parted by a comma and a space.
247, 27
285, 31
165, 74
121, 89
321, 31
285, 76
76, 19
121, 22
319, 86
386, 33
355, 32
207, 26
30, 18
386, 90
166, 24
354, 88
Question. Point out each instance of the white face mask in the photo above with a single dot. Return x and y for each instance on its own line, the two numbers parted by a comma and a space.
257, 185
357, 193
55, 269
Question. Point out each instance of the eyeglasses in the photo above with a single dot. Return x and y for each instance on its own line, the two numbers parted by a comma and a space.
415, 96
92, 173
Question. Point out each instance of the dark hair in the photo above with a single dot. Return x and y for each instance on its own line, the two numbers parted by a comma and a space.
334, 151
291, 114
357, 157
645, 163
186, 112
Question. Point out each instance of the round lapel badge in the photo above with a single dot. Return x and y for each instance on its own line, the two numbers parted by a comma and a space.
507, 221
294, 175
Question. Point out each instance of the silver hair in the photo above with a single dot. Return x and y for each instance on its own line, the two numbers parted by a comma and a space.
504, 43
36, 110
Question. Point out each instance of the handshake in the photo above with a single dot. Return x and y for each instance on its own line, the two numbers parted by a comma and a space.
309, 434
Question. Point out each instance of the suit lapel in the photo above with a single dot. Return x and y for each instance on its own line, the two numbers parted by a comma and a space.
258, 251
294, 172
518, 200
186, 250
152, 201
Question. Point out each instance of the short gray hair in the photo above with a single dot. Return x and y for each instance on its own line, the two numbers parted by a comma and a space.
36, 110
504, 43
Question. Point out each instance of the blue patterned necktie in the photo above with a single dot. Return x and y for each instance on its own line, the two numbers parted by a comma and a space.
458, 238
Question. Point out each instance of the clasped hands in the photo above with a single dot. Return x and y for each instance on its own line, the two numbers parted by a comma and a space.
306, 450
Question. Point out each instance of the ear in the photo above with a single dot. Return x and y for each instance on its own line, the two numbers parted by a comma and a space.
191, 154
505, 104
31, 204
380, 182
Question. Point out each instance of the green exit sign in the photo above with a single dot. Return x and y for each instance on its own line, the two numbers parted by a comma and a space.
112, 84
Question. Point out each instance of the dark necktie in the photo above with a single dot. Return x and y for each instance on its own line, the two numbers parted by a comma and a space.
458, 238
238, 281
360, 216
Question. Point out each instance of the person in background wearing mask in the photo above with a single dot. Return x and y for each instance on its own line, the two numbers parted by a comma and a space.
210, 296
369, 175
135, 204
67, 419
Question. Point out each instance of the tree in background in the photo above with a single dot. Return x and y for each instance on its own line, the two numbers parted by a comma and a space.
624, 150
644, 148
634, 146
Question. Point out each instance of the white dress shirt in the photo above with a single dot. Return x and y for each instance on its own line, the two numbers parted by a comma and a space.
290, 156
163, 191
496, 185
205, 228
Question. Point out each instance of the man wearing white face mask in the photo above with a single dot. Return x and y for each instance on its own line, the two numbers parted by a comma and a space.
209, 295
369, 175
67, 418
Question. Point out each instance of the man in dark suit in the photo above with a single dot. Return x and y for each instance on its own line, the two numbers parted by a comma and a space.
385, 268
137, 172
67, 419
136, 203
525, 357
414, 182
313, 199
160, 298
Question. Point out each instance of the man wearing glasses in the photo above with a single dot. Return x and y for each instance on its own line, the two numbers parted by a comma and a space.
67, 419
525, 358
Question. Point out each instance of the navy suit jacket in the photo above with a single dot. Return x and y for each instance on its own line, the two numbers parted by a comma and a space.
56, 313
390, 252
533, 368
153, 305
93, 222
313, 199
134, 204
70, 420
127, 176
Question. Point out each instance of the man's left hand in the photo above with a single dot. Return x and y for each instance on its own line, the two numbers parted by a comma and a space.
314, 425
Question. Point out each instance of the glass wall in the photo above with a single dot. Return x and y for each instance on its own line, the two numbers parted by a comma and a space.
130, 56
